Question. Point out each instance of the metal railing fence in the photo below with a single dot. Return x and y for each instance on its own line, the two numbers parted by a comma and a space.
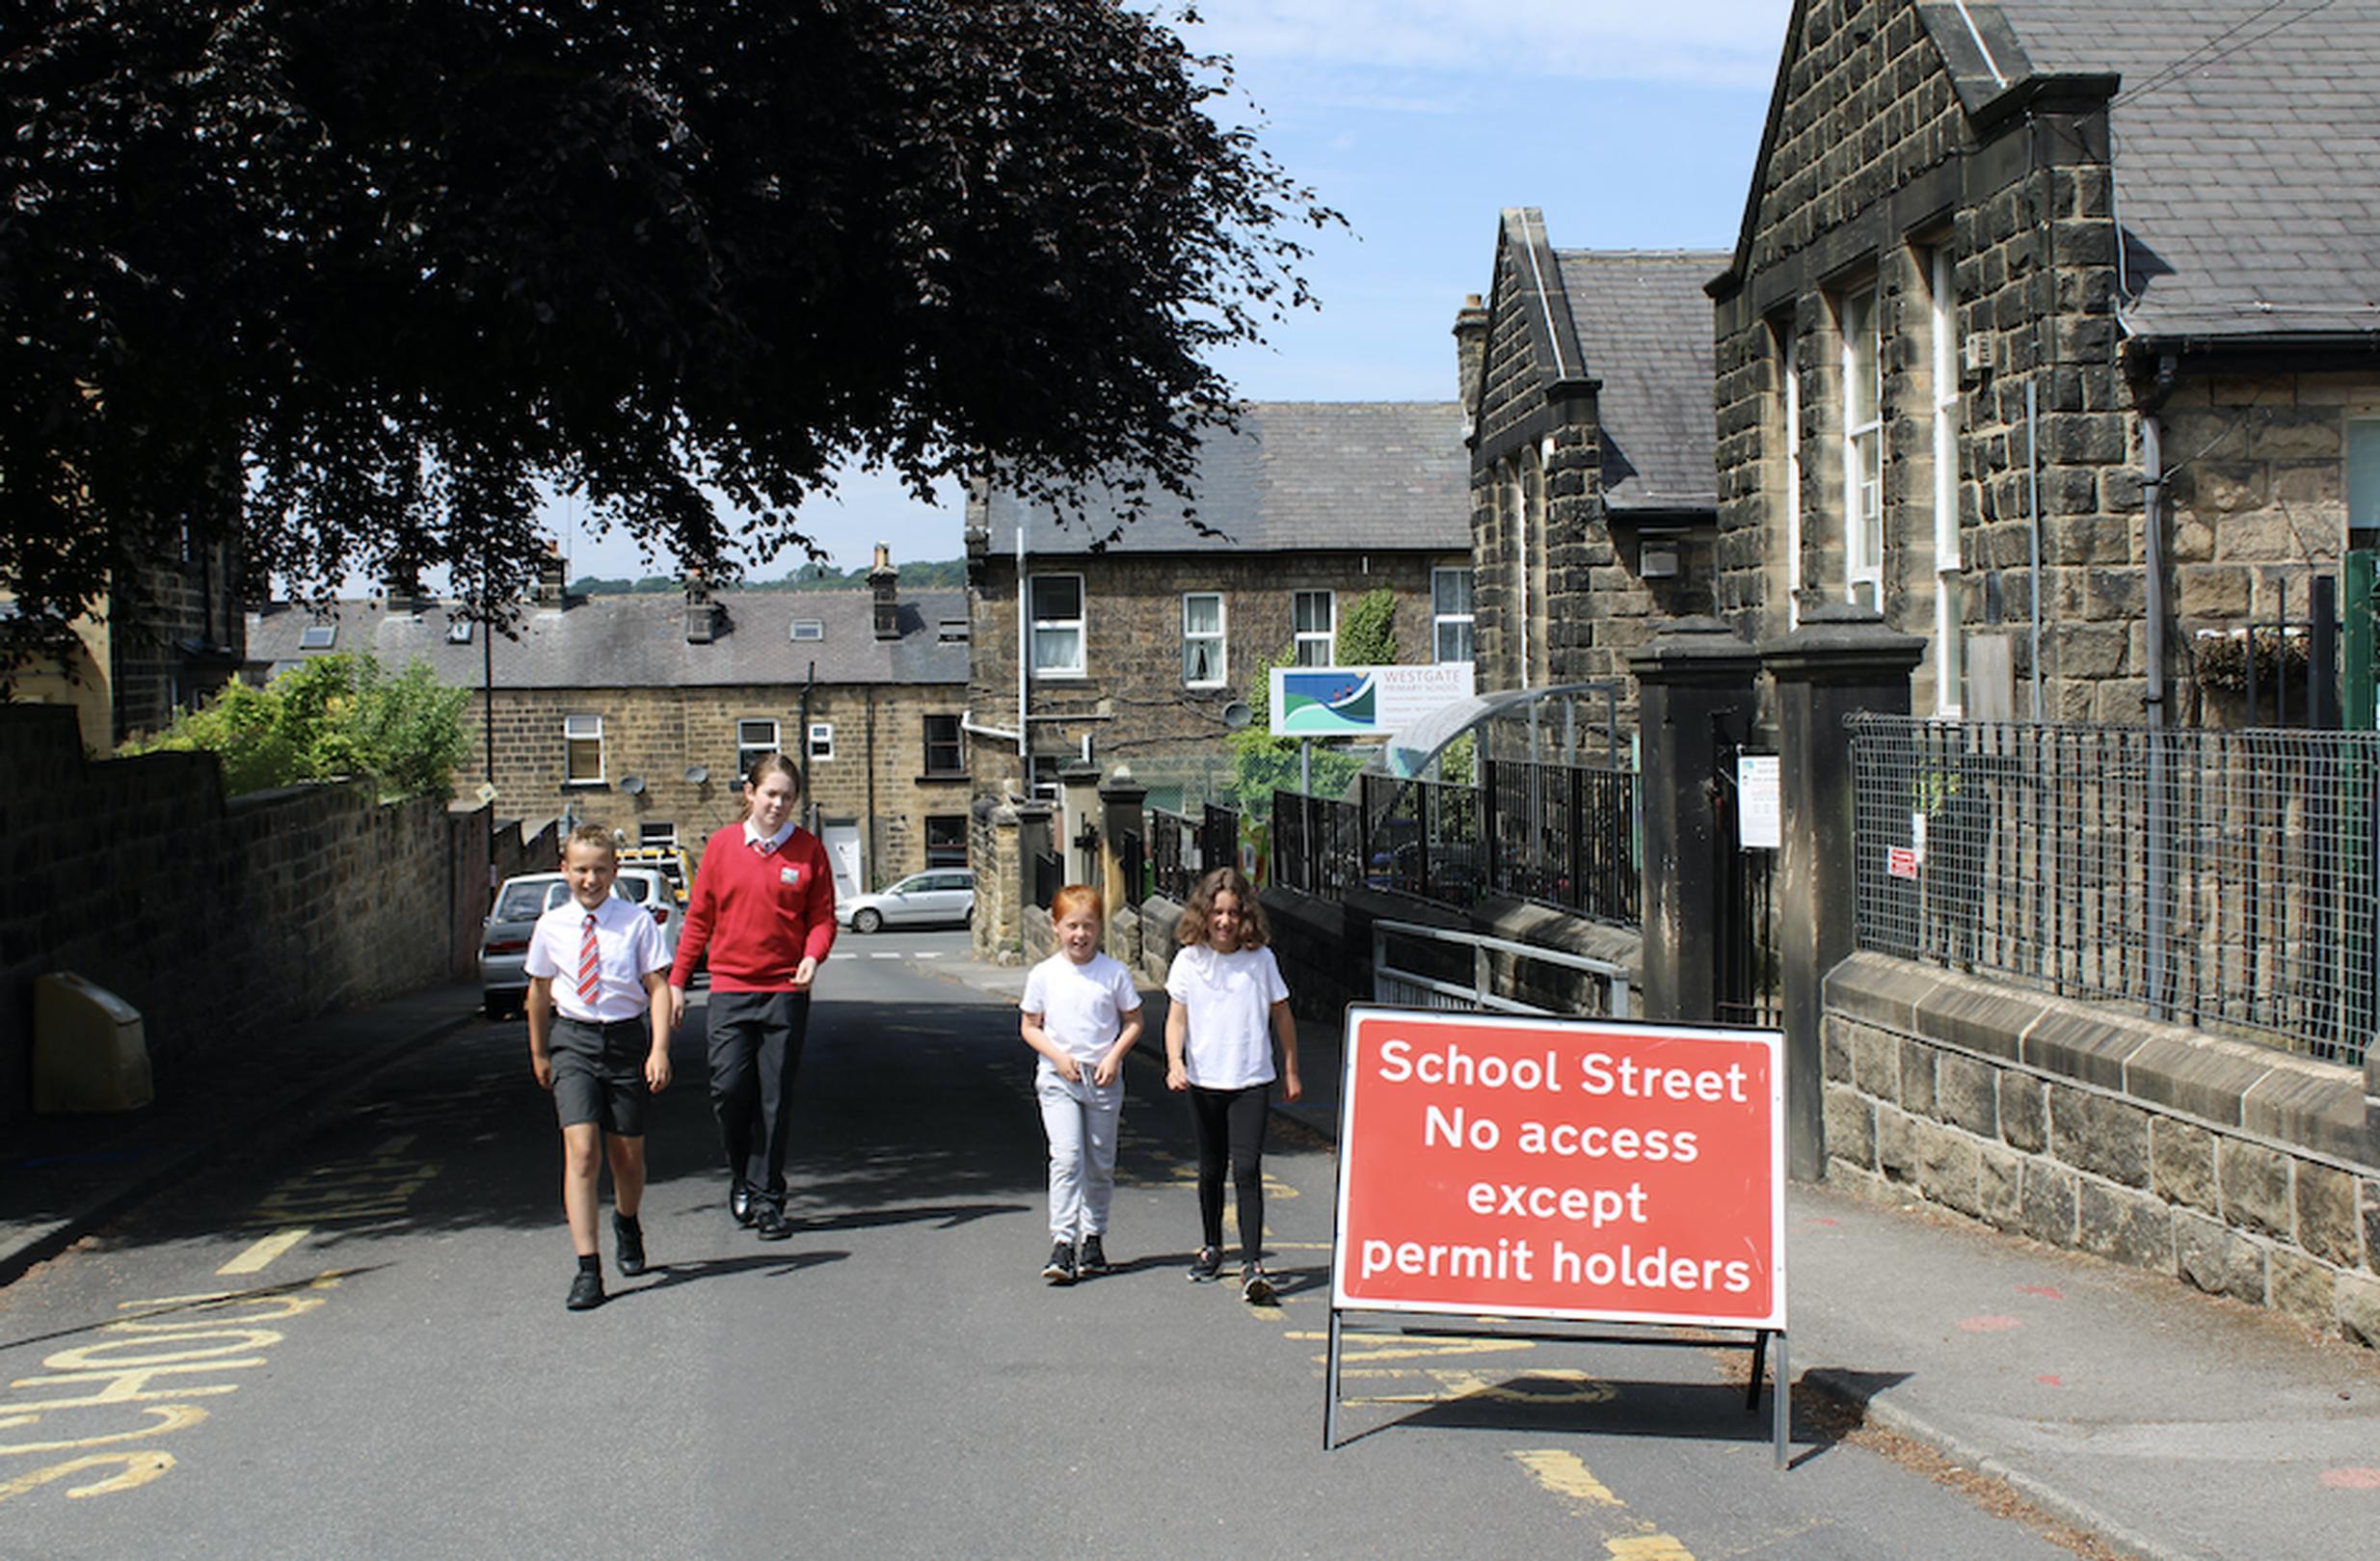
1422, 838
1317, 843
1566, 835
1182, 849
2222, 878
1049, 876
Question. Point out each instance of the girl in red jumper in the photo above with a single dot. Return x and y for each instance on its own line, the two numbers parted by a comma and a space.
763, 909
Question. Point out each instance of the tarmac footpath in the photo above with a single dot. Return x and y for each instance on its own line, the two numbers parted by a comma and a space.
2172, 1424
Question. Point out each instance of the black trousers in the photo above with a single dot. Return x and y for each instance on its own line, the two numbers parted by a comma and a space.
1230, 1124
756, 1049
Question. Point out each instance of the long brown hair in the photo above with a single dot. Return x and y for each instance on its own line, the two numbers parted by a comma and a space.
1192, 929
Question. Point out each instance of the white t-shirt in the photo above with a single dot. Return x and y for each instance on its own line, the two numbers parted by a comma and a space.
1081, 1007
627, 947
1230, 998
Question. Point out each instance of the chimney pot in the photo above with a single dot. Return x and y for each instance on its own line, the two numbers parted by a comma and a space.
885, 581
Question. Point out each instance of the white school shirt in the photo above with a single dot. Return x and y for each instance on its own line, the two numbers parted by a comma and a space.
765, 844
627, 947
1081, 1007
1230, 998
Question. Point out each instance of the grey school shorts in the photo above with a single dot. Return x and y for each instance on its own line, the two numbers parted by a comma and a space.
598, 1073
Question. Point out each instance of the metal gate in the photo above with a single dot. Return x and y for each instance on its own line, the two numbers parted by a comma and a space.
1747, 988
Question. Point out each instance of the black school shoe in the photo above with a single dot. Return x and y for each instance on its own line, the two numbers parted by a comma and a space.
1059, 1269
1092, 1257
629, 1240
739, 1205
1256, 1286
586, 1291
769, 1223
1207, 1265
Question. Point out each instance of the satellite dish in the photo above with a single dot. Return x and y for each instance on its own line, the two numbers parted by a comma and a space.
1237, 714
634, 784
697, 775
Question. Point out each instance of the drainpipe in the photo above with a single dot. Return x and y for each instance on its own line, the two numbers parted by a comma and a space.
2153, 553
810, 800
874, 872
1024, 646
2033, 508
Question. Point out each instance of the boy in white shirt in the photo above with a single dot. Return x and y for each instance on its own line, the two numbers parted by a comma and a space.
600, 962
1081, 1013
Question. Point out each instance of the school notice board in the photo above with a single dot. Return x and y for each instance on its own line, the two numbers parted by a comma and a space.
1590, 1169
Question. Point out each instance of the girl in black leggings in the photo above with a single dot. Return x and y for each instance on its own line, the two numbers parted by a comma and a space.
1228, 1005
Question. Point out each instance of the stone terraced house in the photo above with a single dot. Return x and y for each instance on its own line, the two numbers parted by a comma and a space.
1136, 651
642, 710
2052, 332
1587, 388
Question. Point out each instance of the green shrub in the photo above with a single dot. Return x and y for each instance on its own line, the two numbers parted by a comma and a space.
336, 716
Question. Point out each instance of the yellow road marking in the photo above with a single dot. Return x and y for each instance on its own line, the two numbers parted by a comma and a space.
1647, 1548
1565, 1475
261, 1253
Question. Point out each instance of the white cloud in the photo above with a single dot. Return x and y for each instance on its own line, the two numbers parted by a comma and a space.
1717, 42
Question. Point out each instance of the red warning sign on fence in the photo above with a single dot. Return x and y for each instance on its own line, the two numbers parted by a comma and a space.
1554, 1167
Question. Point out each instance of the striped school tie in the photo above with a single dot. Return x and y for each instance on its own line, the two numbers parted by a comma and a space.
590, 979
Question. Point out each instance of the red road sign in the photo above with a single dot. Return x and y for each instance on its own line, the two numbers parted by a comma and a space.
1493, 1165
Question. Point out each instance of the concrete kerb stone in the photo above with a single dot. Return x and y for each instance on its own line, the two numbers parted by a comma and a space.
1879, 991
269, 1119
1885, 1414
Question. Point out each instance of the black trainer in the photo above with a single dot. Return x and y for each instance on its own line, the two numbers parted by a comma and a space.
1207, 1265
1256, 1286
629, 1239
769, 1224
739, 1205
586, 1291
1059, 1269
1093, 1258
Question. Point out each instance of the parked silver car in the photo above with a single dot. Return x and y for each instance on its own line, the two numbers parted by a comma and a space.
943, 894
505, 942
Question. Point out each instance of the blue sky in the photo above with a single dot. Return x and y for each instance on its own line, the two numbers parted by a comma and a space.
1632, 125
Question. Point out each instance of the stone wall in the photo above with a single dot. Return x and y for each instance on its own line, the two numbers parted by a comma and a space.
1874, 168
1539, 533
216, 919
2239, 1169
877, 774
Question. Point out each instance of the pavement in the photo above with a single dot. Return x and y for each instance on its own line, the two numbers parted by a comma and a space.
2170, 1424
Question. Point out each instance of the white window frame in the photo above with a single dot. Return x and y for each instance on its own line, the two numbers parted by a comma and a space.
1044, 629
749, 752
1193, 637
1441, 621
1949, 610
823, 741
658, 832
579, 728
1325, 639
1861, 327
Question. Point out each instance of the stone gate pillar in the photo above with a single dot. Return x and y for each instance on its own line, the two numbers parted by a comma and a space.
1841, 661
1695, 695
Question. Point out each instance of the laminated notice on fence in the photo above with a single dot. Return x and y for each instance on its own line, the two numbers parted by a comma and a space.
1520, 1167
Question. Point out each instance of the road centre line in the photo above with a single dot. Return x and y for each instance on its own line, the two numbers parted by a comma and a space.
261, 1253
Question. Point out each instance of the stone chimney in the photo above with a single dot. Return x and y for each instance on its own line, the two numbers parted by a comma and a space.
552, 578
702, 612
1470, 349
885, 581
401, 583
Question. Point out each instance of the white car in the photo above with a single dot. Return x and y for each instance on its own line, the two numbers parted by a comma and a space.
942, 893
504, 943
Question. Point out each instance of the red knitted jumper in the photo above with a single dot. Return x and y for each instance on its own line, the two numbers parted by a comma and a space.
757, 915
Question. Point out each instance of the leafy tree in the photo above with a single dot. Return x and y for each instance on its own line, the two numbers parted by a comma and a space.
349, 278
336, 716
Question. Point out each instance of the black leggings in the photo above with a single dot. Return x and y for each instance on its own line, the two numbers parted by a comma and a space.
1231, 1121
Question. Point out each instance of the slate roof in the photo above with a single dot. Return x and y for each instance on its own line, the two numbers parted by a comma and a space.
1643, 325
2247, 156
639, 642
1298, 477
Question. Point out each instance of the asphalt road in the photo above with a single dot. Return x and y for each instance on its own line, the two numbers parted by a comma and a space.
352, 1344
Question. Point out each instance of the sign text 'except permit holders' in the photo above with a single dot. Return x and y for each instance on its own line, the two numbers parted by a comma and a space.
1510, 1167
